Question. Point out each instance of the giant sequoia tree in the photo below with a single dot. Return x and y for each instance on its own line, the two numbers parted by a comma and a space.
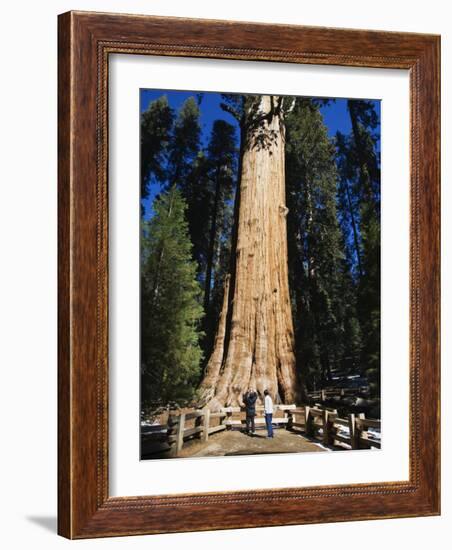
233, 230
254, 344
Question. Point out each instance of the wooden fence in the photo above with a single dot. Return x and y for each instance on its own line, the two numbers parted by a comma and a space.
318, 422
325, 424
235, 416
328, 393
178, 432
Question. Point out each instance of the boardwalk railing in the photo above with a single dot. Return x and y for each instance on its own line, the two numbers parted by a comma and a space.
325, 424
318, 422
328, 393
235, 416
179, 429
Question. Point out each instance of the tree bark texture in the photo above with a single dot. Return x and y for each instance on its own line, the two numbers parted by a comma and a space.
254, 345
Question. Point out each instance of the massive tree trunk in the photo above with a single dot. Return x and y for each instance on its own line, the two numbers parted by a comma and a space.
254, 345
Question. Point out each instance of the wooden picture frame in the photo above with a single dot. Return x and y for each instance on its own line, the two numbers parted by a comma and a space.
86, 40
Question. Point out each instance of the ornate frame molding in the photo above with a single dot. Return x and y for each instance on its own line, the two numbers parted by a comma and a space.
85, 42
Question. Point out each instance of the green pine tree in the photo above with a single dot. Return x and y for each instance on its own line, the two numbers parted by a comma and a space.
184, 147
364, 158
222, 165
170, 305
323, 297
156, 125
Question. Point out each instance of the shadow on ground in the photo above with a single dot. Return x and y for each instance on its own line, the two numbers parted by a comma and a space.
49, 523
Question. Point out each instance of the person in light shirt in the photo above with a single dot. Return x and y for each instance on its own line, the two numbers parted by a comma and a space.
268, 410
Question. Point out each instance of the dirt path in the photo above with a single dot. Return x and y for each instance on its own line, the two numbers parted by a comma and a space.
234, 442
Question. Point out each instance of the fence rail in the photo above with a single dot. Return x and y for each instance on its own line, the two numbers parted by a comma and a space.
178, 432
318, 422
328, 393
325, 424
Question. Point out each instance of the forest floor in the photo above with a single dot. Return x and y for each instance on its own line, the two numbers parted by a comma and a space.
235, 442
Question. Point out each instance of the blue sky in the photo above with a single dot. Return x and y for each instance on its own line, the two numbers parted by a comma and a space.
335, 115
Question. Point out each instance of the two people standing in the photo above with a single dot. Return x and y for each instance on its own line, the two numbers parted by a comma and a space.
250, 399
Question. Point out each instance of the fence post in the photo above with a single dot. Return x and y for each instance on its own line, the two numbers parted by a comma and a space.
180, 433
359, 432
229, 417
289, 417
198, 423
171, 428
351, 428
323, 395
205, 433
325, 427
328, 426
307, 421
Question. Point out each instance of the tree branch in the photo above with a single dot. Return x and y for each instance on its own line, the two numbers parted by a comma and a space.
231, 111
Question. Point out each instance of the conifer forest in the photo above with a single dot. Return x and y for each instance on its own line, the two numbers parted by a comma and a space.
260, 247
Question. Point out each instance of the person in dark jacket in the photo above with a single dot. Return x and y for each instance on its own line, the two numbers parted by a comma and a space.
250, 399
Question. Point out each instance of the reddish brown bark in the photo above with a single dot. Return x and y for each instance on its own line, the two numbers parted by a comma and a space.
254, 345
